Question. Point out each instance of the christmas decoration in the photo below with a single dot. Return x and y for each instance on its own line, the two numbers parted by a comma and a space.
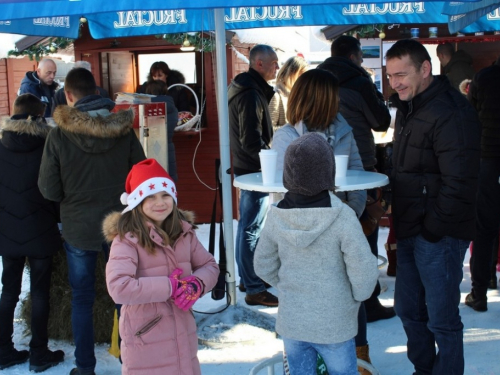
196, 40
367, 31
46, 47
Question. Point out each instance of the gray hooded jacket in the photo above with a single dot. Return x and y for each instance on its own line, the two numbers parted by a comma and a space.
321, 263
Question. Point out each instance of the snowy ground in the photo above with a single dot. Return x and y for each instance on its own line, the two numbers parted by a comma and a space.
239, 337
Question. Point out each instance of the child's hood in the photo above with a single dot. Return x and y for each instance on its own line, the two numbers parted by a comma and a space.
300, 227
110, 223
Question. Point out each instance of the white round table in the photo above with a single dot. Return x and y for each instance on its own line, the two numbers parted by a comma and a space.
355, 180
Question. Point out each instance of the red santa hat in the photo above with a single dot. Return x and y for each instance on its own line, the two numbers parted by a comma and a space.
144, 179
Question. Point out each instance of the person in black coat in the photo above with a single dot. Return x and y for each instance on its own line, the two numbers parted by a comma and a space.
161, 72
28, 230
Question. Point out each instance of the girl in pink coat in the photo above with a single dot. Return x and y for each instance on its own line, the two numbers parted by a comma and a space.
157, 269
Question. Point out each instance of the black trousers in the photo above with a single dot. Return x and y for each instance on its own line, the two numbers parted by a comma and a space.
12, 274
487, 225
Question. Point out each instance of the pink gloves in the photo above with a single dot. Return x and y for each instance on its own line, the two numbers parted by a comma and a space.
186, 291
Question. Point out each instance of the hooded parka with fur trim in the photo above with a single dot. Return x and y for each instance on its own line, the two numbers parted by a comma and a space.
158, 338
28, 221
85, 163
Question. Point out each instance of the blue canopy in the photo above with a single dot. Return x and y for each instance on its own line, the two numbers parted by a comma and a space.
125, 23
462, 14
15, 9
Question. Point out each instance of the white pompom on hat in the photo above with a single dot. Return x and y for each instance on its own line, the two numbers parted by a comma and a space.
146, 178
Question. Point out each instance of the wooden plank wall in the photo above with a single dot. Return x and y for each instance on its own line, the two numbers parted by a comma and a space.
12, 71
4, 89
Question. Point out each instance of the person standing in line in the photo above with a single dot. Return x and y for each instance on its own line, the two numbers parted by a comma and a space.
292, 69
457, 65
85, 162
484, 93
28, 231
42, 84
434, 188
157, 270
312, 241
364, 109
60, 96
250, 130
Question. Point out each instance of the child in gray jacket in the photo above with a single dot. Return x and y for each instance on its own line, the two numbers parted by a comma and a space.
312, 249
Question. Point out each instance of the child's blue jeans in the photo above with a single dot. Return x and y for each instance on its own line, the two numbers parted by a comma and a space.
340, 358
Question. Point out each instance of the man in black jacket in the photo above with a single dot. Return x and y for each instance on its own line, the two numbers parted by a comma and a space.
435, 174
251, 130
484, 92
362, 105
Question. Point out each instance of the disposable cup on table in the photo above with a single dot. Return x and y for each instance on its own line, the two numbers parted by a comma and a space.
341, 162
268, 160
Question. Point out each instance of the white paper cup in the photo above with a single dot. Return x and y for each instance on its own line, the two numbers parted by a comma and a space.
341, 162
268, 159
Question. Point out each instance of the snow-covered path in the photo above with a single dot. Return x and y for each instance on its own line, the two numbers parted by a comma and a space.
247, 344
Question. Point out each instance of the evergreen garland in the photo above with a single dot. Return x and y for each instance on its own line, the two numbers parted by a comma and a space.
367, 31
49, 46
197, 40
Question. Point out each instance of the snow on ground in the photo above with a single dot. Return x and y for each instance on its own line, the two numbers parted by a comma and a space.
238, 338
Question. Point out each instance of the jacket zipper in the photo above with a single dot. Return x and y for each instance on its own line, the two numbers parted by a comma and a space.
402, 148
424, 192
148, 326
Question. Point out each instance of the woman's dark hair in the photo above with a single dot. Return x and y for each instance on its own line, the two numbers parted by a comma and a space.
156, 67
314, 100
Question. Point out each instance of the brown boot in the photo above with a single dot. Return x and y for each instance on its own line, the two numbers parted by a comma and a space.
362, 352
392, 258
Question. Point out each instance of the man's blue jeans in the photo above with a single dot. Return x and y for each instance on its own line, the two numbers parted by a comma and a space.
427, 296
253, 209
81, 274
302, 357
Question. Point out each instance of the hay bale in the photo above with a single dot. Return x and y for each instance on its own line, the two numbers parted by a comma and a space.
60, 303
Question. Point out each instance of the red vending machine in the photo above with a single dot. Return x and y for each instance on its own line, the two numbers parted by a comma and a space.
151, 128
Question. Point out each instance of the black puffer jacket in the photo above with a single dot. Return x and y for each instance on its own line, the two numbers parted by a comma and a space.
361, 104
484, 94
28, 222
250, 127
436, 163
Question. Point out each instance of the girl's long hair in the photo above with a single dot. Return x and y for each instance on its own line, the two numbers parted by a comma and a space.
136, 222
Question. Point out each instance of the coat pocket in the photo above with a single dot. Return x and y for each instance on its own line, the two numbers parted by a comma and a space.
148, 326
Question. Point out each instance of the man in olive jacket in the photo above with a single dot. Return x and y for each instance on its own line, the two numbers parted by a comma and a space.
435, 178
85, 163
250, 131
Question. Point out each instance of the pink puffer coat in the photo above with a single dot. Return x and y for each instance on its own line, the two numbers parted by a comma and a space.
157, 337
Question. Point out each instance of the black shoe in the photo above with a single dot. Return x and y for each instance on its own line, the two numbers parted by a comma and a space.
41, 361
493, 283
477, 303
378, 312
263, 298
77, 371
242, 288
14, 357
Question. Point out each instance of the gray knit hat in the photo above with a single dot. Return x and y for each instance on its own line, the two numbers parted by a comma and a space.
309, 165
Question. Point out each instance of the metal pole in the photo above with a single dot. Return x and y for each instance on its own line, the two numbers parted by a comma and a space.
222, 106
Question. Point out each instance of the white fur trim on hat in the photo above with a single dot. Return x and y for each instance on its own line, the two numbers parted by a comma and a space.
149, 187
